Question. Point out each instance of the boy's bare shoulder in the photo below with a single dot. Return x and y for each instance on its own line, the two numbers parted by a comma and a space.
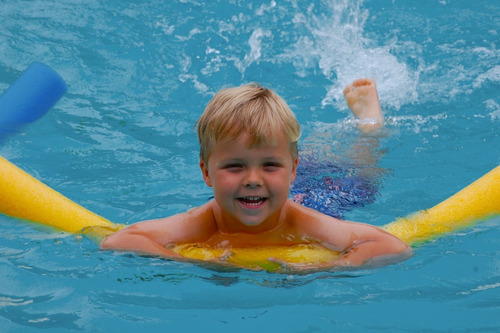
194, 225
304, 217
201, 214
337, 233
195, 216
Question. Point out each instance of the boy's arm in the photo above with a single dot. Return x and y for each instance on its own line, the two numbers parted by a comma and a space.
153, 237
359, 244
363, 245
368, 245
136, 239
372, 247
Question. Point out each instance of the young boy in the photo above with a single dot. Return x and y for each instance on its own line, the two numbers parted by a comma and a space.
248, 155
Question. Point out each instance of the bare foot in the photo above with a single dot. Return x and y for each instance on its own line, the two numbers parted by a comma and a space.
362, 99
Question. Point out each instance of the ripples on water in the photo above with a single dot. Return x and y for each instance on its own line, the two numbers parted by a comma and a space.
121, 143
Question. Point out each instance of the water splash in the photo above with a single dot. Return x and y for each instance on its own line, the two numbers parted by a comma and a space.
335, 40
492, 75
255, 43
494, 108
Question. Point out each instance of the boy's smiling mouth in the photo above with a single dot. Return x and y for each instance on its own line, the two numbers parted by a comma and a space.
252, 202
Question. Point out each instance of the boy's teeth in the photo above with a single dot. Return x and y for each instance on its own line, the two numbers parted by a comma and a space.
252, 200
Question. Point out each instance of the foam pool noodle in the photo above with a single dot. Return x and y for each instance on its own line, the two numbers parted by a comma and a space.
29, 98
25, 197
476, 202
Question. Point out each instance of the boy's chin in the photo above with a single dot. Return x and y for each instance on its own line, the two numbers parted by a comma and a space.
252, 225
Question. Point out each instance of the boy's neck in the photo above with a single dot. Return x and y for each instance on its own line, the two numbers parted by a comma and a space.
230, 225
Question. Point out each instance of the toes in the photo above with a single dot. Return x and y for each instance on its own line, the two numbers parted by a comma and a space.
348, 89
363, 82
359, 83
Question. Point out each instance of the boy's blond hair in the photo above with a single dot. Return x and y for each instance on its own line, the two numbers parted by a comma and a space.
250, 108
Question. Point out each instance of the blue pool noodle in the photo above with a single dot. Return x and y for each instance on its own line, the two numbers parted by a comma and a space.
29, 98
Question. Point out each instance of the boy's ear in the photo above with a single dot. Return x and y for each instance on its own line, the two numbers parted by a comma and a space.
206, 174
294, 170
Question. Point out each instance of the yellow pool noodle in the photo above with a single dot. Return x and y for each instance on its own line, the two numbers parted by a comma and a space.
24, 197
478, 201
257, 257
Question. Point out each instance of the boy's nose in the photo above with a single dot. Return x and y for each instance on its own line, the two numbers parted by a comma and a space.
253, 180
252, 184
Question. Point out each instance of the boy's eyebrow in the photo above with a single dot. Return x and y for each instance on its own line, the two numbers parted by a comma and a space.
275, 158
265, 159
231, 160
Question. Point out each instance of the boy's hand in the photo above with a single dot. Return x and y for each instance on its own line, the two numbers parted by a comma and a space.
305, 268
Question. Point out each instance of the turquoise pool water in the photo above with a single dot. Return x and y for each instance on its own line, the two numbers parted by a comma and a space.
121, 143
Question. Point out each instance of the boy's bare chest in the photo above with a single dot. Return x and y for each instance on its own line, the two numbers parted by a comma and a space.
272, 238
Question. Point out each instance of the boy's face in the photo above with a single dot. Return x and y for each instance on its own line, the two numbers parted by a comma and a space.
250, 185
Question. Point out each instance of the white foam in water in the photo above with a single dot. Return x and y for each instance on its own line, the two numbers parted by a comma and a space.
255, 43
492, 75
492, 105
336, 41
413, 123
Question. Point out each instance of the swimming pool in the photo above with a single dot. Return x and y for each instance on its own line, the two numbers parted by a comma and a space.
121, 143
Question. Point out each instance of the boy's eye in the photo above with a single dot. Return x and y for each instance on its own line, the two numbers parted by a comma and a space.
271, 166
233, 166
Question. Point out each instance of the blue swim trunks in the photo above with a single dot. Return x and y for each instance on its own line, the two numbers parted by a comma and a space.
330, 189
